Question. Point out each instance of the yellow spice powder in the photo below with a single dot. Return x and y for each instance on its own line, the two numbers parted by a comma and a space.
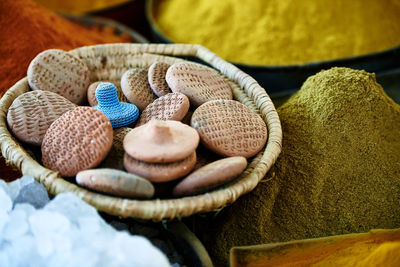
282, 32
387, 254
364, 255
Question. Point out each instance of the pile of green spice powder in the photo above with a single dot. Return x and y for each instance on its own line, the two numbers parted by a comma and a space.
338, 173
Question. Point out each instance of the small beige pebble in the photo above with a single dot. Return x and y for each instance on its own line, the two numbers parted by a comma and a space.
136, 87
172, 106
229, 128
210, 176
198, 82
32, 113
116, 182
60, 72
160, 172
157, 80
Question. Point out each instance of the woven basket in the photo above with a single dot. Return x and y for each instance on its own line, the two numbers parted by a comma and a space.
110, 61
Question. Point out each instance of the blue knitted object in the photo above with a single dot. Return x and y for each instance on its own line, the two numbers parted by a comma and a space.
119, 113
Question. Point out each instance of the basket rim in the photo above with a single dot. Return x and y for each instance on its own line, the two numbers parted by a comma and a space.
156, 209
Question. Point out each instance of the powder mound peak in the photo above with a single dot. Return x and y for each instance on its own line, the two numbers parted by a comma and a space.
339, 92
343, 83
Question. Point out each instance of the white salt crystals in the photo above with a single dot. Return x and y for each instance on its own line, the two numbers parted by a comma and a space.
5, 201
65, 231
16, 226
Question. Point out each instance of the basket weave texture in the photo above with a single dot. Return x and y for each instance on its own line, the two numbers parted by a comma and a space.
109, 62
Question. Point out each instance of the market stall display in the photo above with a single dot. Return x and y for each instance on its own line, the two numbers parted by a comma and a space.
173, 134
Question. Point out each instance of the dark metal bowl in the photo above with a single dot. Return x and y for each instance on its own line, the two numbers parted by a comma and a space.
89, 21
281, 81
